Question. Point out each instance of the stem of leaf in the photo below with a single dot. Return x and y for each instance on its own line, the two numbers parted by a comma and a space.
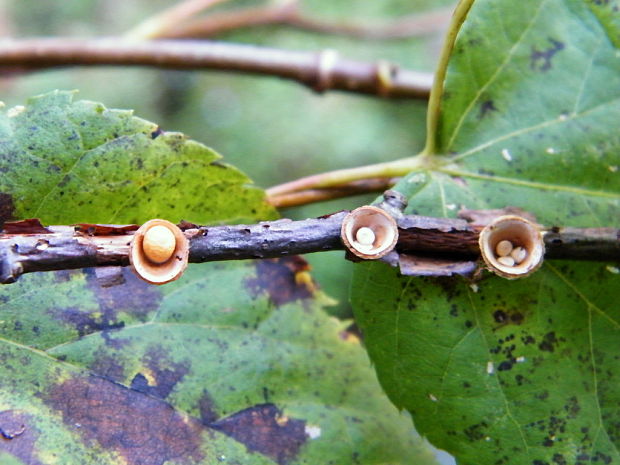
308, 196
342, 177
434, 102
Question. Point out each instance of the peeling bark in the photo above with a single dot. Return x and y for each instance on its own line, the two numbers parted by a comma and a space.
433, 240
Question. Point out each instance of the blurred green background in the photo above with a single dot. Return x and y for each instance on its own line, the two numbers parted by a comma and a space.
274, 130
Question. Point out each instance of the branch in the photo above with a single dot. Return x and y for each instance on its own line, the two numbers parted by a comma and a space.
320, 71
341, 178
68, 247
156, 25
304, 197
426, 245
288, 14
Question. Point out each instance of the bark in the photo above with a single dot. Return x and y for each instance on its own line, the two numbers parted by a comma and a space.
321, 71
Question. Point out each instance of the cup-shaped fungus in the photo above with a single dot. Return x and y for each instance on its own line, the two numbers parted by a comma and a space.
512, 247
369, 232
159, 252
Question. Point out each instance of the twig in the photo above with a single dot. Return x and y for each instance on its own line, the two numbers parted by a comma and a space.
440, 240
288, 14
218, 23
435, 96
339, 178
320, 71
158, 24
65, 248
304, 197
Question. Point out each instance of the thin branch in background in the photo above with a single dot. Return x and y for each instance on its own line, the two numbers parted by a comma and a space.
6, 20
289, 14
218, 23
414, 25
304, 197
321, 71
156, 25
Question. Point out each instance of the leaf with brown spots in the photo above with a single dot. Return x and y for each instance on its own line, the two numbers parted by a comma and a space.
263, 428
58, 156
141, 429
208, 369
284, 279
504, 372
280, 382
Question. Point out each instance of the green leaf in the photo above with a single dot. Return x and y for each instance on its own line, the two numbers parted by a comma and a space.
234, 363
519, 372
65, 161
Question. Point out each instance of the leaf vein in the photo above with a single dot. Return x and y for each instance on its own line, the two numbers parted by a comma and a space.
493, 77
